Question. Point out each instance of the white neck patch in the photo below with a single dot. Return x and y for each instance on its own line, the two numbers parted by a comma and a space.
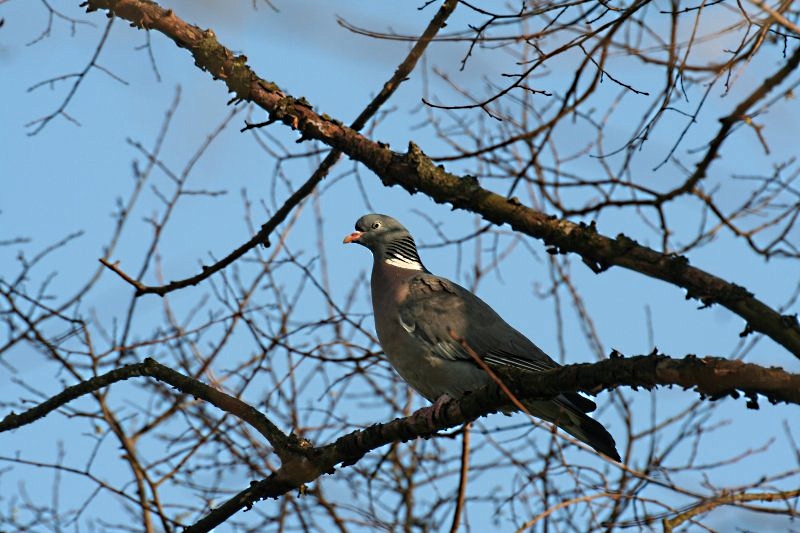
403, 262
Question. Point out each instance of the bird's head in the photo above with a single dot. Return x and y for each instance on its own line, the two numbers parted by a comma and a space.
387, 239
374, 230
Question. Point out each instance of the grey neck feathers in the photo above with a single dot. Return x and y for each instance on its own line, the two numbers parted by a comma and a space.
402, 252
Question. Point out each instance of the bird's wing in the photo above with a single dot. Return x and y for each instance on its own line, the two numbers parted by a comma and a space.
441, 314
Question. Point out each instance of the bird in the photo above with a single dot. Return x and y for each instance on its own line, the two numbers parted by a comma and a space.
420, 319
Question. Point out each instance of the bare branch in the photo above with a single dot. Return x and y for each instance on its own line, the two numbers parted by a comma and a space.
414, 171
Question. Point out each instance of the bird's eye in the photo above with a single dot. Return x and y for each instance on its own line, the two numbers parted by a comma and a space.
376, 225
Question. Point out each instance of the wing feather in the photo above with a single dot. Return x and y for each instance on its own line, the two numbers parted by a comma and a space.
435, 307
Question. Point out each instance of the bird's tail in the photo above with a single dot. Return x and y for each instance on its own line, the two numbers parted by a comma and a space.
563, 413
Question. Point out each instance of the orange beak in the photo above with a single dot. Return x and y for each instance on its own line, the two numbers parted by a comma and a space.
352, 237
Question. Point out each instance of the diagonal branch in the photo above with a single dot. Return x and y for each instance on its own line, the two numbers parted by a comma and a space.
262, 237
669, 524
301, 462
281, 443
415, 172
711, 377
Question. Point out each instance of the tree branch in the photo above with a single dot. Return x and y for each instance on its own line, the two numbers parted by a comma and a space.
262, 237
301, 462
281, 443
711, 377
669, 524
415, 172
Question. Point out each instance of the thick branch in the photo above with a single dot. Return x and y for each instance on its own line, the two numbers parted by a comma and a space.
415, 172
712, 377
301, 462
262, 237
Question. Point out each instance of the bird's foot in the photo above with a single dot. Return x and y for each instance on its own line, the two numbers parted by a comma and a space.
433, 411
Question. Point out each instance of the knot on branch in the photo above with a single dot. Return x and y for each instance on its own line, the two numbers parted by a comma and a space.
298, 469
790, 321
212, 57
736, 293
623, 244
675, 263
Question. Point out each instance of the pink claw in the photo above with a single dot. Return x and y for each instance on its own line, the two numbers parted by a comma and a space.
433, 411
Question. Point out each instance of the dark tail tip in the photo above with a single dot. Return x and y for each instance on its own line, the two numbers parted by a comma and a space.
599, 438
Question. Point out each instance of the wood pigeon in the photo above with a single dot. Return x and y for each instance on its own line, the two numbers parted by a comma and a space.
420, 318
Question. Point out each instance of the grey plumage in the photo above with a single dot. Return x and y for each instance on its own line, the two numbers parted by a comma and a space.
415, 314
